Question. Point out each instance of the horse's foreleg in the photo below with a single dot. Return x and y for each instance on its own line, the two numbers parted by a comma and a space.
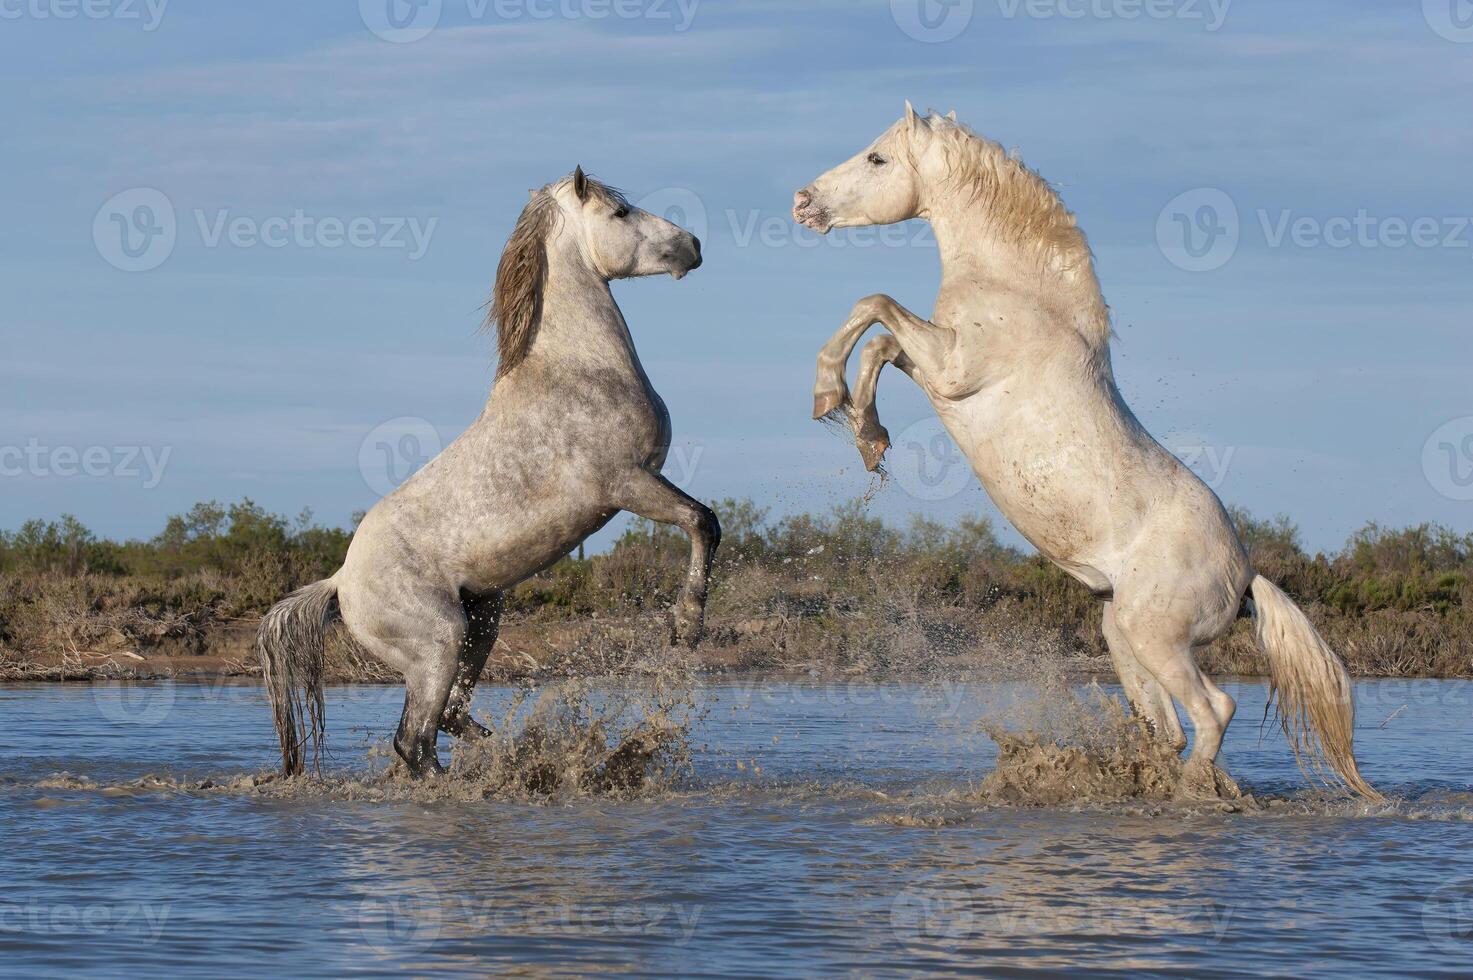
927, 346
655, 498
872, 437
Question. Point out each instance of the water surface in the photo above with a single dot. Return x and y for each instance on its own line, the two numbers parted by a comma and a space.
823, 829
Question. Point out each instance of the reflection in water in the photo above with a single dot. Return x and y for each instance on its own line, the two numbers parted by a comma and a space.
818, 828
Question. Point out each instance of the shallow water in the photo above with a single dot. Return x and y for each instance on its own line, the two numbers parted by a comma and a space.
823, 828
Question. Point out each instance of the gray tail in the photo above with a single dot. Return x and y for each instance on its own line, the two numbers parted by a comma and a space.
292, 647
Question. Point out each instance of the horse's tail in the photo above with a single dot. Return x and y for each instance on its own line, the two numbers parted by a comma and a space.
1316, 704
292, 647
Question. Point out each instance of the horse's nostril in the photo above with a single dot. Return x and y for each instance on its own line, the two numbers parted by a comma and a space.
802, 199
697, 243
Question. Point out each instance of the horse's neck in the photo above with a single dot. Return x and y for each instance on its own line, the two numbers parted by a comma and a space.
580, 321
988, 280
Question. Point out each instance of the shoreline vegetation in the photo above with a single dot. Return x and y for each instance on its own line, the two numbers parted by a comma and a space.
841, 593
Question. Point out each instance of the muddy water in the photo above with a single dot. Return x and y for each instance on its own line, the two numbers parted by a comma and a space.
817, 828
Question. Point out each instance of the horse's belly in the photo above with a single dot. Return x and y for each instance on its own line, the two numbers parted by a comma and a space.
1046, 484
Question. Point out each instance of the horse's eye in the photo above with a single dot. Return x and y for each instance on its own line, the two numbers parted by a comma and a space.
622, 213
876, 159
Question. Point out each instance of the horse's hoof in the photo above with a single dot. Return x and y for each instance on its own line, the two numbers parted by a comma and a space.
1204, 781
686, 629
826, 403
873, 441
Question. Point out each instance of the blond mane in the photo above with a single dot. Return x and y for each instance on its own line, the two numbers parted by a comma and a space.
1022, 209
516, 299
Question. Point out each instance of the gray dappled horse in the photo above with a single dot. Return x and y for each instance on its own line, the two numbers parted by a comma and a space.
571, 435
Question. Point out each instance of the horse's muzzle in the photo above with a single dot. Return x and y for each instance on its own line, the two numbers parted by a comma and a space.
808, 214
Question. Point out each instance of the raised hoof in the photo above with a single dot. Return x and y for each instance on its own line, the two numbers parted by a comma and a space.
826, 403
873, 441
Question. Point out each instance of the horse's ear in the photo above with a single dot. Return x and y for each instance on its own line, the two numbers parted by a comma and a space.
910, 117
580, 183
951, 115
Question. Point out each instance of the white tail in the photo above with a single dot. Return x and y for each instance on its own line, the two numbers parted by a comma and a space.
1316, 702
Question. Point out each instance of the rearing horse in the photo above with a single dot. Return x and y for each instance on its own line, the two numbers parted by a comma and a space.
1016, 362
572, 434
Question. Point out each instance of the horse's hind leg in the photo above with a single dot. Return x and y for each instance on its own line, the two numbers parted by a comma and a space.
1162, 644
1146, 695
482, 622
420, 632
872, 437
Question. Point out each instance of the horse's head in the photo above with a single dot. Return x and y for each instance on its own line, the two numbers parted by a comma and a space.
592, 223
879, 185
619, 240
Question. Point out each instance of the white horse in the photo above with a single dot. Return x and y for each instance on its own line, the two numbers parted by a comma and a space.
571, 435
1016, 362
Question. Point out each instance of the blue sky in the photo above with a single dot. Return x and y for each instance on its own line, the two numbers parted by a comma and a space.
1319, 368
